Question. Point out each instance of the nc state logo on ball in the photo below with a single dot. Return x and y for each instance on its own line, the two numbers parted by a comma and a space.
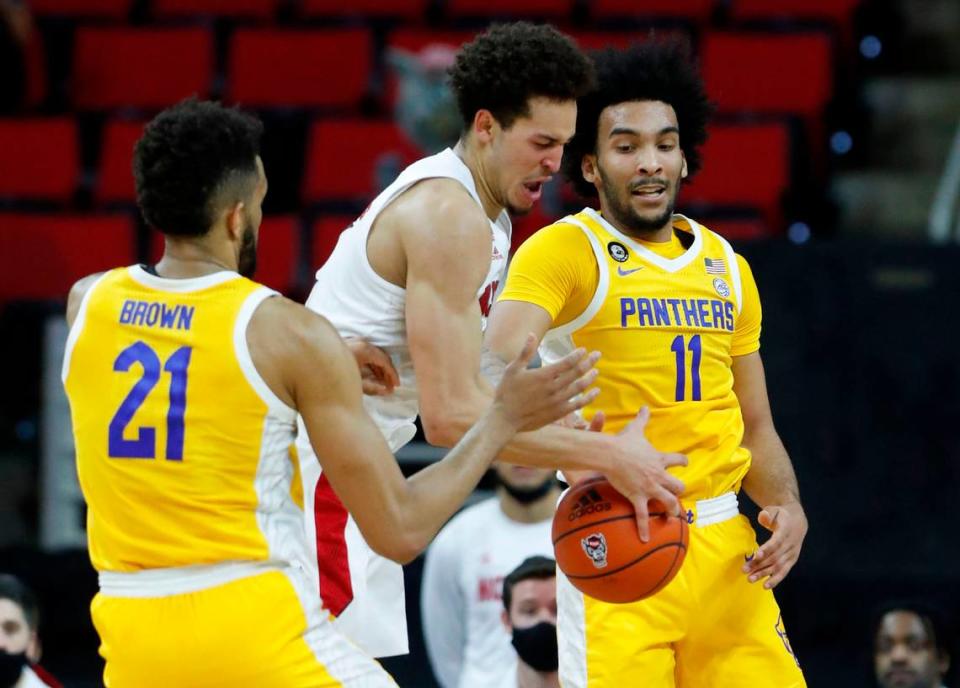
595, 547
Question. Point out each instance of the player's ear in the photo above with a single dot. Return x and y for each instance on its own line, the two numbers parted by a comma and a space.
484, 126
505, 620
235, 222
588, 168
683, 169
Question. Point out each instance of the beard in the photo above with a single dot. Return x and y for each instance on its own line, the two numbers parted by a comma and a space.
619, 206
247, 260
529, 494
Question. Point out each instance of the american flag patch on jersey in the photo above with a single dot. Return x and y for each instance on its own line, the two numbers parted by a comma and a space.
715, 266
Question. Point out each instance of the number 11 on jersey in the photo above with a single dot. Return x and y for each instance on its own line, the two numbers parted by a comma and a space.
679, 347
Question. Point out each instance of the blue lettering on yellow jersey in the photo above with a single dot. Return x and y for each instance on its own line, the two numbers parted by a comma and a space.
153, 314
710, 314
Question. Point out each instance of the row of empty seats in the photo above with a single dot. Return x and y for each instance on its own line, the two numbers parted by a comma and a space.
333, 68
41, 255
838, 11
746, 165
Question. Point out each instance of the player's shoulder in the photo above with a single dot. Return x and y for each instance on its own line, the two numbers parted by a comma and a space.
78, 292
563, 241
437, 201
292, 326
715, 237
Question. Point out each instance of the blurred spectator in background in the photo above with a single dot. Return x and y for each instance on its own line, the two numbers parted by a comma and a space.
19, 641
530, 614
424, 107
15, 31
466, 640
910, 647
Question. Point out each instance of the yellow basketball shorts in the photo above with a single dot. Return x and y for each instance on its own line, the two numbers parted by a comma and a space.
253, 631
708, 627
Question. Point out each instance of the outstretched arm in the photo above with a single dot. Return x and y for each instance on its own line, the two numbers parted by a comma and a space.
446, 261
307, 365
771, 481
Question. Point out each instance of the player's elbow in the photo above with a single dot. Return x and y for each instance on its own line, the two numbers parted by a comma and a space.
401, 548
443, 429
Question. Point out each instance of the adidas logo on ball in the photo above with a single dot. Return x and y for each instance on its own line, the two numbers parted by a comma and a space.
590, 503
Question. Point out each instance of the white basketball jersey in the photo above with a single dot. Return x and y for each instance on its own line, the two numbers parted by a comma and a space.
362, 589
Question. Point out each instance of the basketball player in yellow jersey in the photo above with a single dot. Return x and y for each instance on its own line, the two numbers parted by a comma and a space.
184, 381
676, 314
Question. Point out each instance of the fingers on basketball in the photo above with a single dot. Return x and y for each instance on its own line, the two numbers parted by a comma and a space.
597, 546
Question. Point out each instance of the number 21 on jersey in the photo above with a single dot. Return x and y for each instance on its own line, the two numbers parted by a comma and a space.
144, 446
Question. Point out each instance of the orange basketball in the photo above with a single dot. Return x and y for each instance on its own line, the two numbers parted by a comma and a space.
599, 550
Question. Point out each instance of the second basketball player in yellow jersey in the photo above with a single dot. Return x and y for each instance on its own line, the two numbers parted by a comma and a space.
184, 381
676, 315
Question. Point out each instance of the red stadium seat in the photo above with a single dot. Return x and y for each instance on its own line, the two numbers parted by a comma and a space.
745, 229
691, 10
782, 74
147, 68
326, 233
415, 40
407, 9
247, 9
597, 40
555, 9
115, 183
744, 166
278, 246
39, 159
275, 68
343, 155
106, 9
41, 256
839, 12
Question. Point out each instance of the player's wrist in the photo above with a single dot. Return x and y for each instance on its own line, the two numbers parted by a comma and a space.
500, 421
603, 454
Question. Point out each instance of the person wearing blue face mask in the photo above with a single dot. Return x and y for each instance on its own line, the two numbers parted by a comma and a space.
530, 615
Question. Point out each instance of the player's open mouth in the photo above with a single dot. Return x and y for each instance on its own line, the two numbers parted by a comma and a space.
533, 189
653, 191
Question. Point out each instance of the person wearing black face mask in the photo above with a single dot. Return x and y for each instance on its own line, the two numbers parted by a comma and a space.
19, 642
465, 567
530, 614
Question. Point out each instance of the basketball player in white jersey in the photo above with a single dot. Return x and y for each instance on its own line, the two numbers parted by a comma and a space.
415, 275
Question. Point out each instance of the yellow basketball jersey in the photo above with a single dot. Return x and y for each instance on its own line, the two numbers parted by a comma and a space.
667, 328
182, 449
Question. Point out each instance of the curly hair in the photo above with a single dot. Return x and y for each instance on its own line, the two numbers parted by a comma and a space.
188, 154
654, 70
502, 68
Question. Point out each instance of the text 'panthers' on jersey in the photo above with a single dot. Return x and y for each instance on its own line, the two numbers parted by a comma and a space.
668, 320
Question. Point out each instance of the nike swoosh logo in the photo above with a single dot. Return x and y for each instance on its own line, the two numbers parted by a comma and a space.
624, 273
